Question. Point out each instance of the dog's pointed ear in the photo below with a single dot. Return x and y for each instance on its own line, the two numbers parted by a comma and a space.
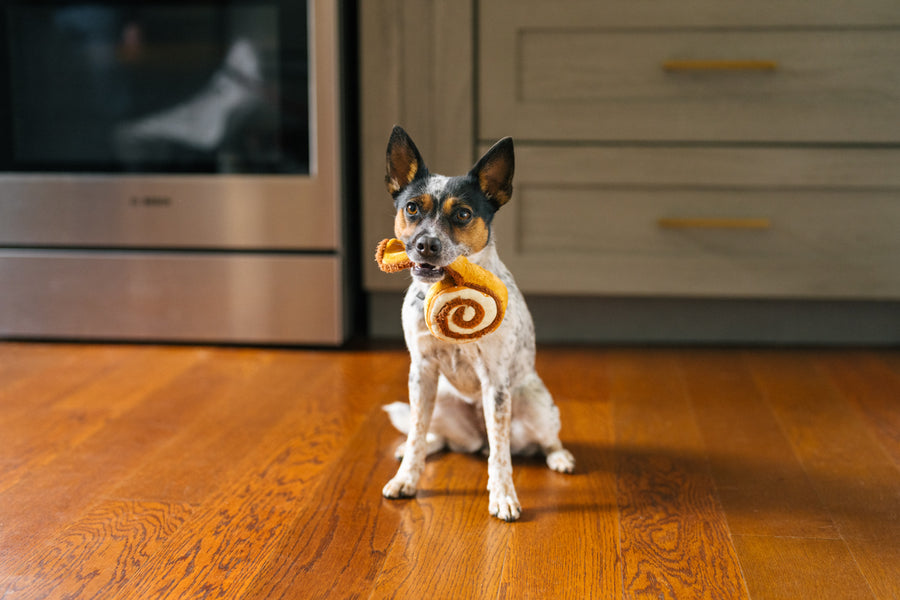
404, 163
494, 172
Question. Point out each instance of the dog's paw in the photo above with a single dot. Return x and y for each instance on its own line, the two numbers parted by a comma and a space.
505, 506
561, 460
399, 487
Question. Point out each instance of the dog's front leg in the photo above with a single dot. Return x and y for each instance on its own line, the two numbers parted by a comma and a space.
504, 503
423, 384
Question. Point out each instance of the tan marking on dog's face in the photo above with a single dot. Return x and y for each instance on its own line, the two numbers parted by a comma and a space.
474, 237
449, 206
466, 228
403, 229
425, 202
409, 215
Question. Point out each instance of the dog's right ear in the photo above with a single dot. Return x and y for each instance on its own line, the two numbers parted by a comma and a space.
404, 163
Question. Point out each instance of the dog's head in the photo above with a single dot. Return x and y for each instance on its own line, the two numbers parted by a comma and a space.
441, 218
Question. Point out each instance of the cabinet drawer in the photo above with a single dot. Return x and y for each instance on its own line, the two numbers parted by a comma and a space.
678, 230
586, 80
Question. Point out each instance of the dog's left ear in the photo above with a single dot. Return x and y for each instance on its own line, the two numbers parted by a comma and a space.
494, 172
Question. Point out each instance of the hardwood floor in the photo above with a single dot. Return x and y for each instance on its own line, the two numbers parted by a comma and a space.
187, 472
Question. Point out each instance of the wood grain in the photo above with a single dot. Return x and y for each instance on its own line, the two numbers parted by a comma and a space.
763, 488
99, 554
675, 539
855, 478
870, 386
574, 554
81, 406
154, 472
790, 568
334, 544
75, 480
250, 515
441, 557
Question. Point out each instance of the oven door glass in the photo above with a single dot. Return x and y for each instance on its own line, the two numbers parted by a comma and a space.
145, 87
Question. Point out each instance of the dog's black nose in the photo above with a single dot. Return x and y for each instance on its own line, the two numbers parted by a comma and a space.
428, 246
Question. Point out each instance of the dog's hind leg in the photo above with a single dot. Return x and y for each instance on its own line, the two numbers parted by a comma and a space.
457, 421
537, 418
434, 445
398, 413
455, 424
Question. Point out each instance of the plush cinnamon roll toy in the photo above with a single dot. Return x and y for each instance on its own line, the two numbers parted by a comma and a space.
468, 303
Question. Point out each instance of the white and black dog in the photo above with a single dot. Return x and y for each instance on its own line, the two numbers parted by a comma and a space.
462, 396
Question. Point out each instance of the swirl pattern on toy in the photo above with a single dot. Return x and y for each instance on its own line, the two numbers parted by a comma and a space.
467, 304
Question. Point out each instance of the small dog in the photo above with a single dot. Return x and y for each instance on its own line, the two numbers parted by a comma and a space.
461, 395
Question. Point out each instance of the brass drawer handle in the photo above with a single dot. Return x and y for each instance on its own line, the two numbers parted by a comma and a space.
691, 66
714, 223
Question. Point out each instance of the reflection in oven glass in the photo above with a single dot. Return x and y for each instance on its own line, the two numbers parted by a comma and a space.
168, 88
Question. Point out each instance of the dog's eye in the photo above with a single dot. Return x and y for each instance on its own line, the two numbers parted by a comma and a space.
463, 215
412, 209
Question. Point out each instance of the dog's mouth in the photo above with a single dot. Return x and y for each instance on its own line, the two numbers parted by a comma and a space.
427, 272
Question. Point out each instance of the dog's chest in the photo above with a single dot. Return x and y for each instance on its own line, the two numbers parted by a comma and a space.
457, 362
459, 369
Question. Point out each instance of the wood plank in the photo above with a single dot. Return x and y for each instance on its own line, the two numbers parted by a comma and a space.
854, 477
28, 388
210, 450
46, 499
340, 529
252, 422
359, 527
763, 488
22, 359
891, 358
566, 544
675, 540
879, 561
450, 513
86, 405
246, 473
873, 388
251, 516
791, 568
100, 553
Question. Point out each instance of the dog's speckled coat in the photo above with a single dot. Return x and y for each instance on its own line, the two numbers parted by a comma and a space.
463, 395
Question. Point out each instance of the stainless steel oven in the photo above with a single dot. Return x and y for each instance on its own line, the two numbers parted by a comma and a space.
171, 171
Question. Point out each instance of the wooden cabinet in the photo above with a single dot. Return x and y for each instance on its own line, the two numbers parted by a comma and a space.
701, 149
705, 148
